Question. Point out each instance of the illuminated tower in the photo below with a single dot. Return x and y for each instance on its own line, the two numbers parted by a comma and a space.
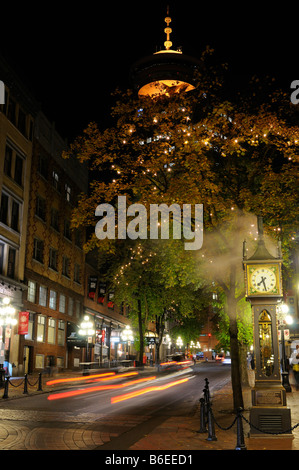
166, 69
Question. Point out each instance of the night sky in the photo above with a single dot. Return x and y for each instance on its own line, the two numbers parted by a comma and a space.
73, 57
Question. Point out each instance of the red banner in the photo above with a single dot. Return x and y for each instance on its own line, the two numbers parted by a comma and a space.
23, 323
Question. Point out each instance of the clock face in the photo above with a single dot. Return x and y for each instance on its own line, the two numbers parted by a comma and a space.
263, 280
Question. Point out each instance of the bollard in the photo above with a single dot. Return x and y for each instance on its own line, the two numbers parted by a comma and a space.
40, 382
208, 389
211, 427
240, 433
5, 394
206, 401
25, 384
202, 417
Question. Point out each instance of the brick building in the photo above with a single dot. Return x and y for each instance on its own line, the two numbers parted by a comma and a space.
55, 269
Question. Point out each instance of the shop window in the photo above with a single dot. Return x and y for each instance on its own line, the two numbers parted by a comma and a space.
39, 361
62, 303
43, 296
41, 328
31, 292
51, 330
53, 299
61, 333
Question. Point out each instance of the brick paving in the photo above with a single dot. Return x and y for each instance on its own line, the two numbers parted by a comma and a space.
25, 430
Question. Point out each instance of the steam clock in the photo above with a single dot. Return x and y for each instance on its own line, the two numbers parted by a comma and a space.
263, 281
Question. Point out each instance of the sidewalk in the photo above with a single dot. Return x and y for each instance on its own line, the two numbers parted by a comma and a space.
180, 433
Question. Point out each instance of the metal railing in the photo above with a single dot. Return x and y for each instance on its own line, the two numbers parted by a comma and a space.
208, 422
24, 381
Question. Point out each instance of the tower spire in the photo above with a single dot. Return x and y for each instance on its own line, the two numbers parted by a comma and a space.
168, 31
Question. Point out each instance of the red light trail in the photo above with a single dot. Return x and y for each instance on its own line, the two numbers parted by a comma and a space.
158, 388
72, 393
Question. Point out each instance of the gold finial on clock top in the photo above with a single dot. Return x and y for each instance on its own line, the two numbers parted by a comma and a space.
168, 31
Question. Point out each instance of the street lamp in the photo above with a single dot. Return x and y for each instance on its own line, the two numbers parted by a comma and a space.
86, 329
283, 320
6, 313
179, 342
7, 320
127, 335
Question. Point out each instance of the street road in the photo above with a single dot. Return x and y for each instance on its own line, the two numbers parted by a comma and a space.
93, 417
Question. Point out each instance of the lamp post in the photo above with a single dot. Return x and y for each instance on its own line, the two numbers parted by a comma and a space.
87, 329
283, 320
168, 343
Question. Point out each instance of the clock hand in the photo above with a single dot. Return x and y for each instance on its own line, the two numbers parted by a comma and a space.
262, 282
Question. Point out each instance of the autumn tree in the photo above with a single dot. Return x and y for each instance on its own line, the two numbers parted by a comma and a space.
236, 155
156, 281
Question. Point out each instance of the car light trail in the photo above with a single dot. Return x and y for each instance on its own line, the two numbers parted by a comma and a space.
75, 379
158, 388
73, 393
119, 376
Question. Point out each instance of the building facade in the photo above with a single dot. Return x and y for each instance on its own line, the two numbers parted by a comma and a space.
44, 276
17, 116
109, 319
55, 261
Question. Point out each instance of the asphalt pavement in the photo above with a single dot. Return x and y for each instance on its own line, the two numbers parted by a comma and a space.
176, 433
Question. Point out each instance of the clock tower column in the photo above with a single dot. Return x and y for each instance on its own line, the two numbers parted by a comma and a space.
263, 281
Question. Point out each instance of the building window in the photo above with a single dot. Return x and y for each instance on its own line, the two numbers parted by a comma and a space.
15, 211
67, 192
40, 209
70, 309
61, 333
55, 219
53, 299
8, 260
61, 303
4, 209
31, 292
66, 266
19, 170
43, 292
51, 330
7, 160
55, 179
38, 250
30, 327
11, 263
41, 327
77, 273
67, 230
53, 259
39, 361
10, 212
